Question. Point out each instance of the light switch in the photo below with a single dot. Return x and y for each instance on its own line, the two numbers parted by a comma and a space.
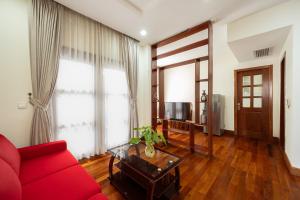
22, 105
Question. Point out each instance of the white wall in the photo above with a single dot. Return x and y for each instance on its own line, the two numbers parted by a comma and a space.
15, 78
267, 20
180, 85
223, 74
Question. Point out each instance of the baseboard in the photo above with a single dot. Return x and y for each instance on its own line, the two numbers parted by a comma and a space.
275, 140
293, 170
231, 132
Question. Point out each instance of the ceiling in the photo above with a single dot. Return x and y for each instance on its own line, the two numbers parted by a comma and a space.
244, 49
163, 18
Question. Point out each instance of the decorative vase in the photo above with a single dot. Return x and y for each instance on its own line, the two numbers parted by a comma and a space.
149, 151
203, 96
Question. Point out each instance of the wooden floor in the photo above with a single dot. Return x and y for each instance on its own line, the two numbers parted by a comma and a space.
241, 169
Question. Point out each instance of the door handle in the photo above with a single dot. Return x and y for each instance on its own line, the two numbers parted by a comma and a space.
238, 106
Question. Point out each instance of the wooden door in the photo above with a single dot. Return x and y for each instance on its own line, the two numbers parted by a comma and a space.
254, 102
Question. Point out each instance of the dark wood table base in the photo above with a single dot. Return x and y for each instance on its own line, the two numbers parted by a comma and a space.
138, 188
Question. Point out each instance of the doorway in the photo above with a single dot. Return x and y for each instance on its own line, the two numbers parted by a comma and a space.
254, 102
282, 103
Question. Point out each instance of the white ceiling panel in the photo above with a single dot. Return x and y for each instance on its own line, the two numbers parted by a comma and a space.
163, 18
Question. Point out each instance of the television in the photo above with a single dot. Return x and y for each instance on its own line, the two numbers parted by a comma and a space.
178, 111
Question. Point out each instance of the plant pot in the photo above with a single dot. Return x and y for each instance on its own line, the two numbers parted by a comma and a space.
149, 151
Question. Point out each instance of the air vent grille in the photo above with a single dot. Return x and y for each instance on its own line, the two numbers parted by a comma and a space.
262, 52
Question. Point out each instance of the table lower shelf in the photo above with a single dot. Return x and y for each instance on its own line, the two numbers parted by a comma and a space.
134, 191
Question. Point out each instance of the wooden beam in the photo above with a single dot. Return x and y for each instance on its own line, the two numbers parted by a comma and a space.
210, 91
186, 62
182, 35
197, 91
154, 90
181, 49
202, 80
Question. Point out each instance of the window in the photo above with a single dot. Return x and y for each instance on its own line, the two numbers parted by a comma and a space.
74, 103
75, 106
116, 107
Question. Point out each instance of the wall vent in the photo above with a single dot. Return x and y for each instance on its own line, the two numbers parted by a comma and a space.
262, 52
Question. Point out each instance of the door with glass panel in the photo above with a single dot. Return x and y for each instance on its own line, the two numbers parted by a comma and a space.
254, 102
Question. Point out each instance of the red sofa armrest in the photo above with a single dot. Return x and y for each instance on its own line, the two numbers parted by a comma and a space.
30, 152
98, 196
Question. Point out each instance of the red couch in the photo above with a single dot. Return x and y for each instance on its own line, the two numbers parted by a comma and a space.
44, 172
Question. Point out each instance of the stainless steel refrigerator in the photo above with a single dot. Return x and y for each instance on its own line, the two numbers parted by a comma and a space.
218, 114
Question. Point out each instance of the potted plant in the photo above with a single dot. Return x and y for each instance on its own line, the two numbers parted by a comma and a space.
150, 137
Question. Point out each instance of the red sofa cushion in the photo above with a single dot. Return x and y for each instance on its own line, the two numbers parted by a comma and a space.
9, 153
10, 187
42, 166
73, 183
98, 196
31, 152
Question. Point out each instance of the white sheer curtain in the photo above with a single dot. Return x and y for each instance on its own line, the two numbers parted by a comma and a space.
95, 98
75, 107
116, 107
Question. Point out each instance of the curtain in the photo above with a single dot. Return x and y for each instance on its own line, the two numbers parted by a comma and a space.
116, 100
74, 105
45, 41
109, 59
144, 85
78, 104
129, 60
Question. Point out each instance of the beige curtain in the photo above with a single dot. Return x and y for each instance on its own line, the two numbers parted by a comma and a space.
82, 39
129, 60
45, 35
88, 41
58, 33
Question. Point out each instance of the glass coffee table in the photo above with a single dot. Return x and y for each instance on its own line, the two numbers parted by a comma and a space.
140, 177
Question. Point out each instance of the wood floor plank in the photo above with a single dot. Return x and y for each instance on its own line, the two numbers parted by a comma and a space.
240, 169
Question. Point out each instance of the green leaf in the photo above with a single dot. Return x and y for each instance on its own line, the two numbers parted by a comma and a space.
155, 137
135, 140
149, 135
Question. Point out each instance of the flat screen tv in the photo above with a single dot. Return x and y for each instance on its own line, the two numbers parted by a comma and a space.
178, 111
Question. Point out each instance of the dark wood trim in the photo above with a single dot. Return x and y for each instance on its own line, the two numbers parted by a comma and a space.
275, 140
186, 62
182, 35
161, 90
235, 103
270, 68
154, 86
197, 91
202, 80
210, 90
282, 101
229, 132
293, 170
182, 49
192, 138
209, 57
253, 68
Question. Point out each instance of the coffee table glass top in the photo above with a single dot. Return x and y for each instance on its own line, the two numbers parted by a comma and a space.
134, 156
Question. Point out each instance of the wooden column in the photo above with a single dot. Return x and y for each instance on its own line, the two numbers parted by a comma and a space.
210, 89
197, 91
192, 137
165, 128
154, 89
